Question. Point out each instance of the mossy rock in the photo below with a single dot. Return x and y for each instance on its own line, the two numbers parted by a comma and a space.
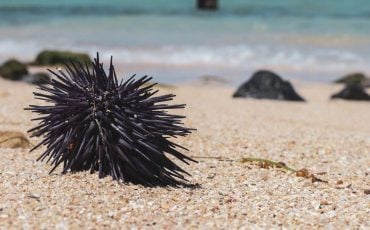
56, 57
13, 70
352, 79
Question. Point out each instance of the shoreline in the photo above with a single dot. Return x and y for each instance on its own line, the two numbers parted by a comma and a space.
177, 76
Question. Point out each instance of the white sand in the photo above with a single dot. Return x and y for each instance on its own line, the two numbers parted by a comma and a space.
326, 136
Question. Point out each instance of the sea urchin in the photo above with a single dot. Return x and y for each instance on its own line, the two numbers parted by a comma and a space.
96, 123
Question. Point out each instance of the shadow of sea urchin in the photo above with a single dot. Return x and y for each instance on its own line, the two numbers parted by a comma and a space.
116, 128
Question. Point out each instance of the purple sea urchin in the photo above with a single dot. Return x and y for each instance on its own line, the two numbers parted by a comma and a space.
116, 128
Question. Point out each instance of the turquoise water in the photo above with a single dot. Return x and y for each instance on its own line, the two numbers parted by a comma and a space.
315, 40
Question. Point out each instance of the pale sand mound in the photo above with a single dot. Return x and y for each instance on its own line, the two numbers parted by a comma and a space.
321, 135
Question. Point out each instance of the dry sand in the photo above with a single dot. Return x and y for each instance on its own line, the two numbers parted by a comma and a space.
331, 138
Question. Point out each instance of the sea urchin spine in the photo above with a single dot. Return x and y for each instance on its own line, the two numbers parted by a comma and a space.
120, 129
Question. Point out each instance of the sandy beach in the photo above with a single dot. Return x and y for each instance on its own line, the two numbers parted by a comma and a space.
329, 138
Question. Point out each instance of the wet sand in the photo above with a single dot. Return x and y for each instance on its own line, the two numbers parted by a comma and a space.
329, 138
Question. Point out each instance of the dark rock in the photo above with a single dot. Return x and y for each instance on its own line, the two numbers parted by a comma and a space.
13, 70
207, 4
267, 85
37, 78
352, 92
353, 78
56, 57
366, 83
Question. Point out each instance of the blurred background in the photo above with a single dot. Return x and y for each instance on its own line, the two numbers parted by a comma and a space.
311, 40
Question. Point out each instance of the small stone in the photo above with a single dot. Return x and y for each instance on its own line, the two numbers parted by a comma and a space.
303, 173
324, 202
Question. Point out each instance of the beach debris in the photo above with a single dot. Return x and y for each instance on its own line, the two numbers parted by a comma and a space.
34, 196
60, 57
352, 92
302, 173
13, 70
265, 163
265, 84
324, 202
207, 4
118, 129
212, 80
352, 78
306, 174
13, 139
343, 186
160, 85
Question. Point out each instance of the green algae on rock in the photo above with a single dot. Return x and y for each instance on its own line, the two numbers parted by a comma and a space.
13, 70
58, 57
352, 78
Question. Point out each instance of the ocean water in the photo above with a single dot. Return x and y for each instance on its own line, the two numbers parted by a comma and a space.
311, 40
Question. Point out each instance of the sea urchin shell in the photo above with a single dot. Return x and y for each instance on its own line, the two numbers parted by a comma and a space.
117, 128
